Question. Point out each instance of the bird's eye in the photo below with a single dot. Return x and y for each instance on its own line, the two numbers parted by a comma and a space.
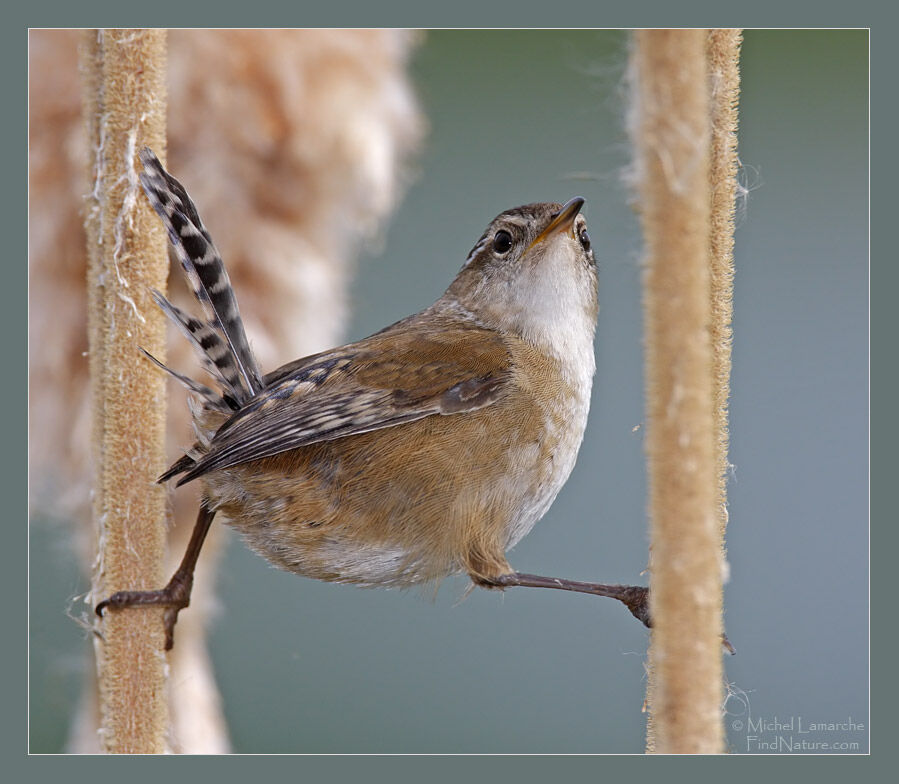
502, 241
584, 238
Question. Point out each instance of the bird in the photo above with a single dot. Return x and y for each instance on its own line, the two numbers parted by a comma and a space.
427, 449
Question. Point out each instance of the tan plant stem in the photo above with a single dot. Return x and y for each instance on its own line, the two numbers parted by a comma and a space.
672, 151
124, 106
723, 53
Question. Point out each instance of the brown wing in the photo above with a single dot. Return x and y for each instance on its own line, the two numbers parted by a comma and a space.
396, 376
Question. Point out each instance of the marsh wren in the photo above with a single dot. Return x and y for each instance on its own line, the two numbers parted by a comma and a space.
427, 449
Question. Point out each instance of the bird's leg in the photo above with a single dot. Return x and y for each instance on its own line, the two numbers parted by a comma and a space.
176, 595
634, 597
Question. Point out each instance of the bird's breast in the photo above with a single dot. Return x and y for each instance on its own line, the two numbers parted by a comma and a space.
559, 401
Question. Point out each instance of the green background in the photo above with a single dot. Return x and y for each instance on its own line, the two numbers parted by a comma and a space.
538, 116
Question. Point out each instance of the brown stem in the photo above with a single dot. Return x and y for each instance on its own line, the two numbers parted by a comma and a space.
723, 53
672, 133
124, 105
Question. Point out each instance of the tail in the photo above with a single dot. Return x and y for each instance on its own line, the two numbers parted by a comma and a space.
220, 341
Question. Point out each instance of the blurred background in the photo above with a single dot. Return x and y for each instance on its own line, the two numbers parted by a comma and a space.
526, 116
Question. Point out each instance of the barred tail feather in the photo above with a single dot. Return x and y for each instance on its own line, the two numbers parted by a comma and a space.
211, 398
213, 352
230, 353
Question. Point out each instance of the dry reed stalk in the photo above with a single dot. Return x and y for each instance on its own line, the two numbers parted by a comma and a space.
124, 109
672, 134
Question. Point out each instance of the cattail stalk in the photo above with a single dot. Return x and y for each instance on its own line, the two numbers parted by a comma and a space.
687, 317
124, 108
723, 53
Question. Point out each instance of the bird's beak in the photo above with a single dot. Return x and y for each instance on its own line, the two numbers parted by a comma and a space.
563, 220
